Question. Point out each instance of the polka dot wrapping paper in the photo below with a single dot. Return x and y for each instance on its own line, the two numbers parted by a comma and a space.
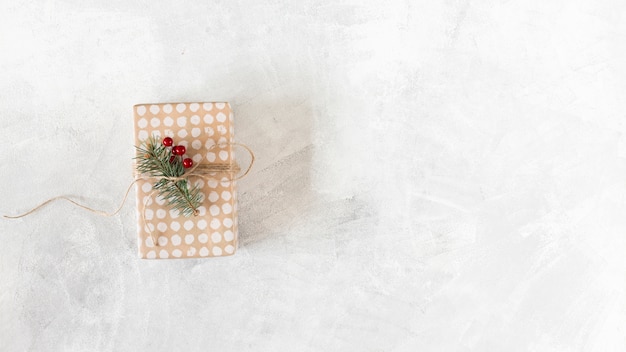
213, 232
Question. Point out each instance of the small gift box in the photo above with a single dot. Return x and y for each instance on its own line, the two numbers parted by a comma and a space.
205, 130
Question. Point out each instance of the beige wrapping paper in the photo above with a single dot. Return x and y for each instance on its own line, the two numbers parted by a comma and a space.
213, 232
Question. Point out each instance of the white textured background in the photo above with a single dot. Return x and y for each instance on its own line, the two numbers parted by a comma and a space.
431, 176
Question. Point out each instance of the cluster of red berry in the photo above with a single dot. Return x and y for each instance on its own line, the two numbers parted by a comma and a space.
177, 150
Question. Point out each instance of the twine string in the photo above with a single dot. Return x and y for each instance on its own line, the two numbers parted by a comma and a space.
206, 171
95, 211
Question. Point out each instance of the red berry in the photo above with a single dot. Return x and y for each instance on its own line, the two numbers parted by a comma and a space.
179, 150
187, 163
167, 141
172, 158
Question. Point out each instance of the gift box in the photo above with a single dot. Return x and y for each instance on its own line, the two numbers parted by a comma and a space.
206, 131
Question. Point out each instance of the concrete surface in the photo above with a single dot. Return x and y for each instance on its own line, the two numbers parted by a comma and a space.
431, 176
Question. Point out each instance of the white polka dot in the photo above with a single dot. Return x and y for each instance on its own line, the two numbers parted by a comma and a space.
177, 253
167, 108
141, 110
210, 156
198, 183
176, 240
155, 122
184, 143
148, 214
213, 197
216, 237
195, 132
225, 183
189, 239
228, 222
203, 238
230, 117
191, 251
194, 107
203, 252
160, 200
196, 158
174, 213
215, 224
154, 109
221, 141
162, 227
202, 210
181, 121
168, 121
146, 187
232, 130
196, 144
228, 235
182, 133
162, 240
201, 224
175, 225
163, 254
149, 242
226, 195
212, 183
161, 213
223, 155
229, 249
227, 208
221, 129
188, 225
208, 118
143, 135
220, 105
151, 255
207, 106
214, 210
220, 117
181, 107
217, 251
142, 123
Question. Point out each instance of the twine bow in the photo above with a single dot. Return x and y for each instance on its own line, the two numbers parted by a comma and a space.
206, 171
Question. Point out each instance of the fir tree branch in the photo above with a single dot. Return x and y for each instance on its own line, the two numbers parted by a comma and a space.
153, 159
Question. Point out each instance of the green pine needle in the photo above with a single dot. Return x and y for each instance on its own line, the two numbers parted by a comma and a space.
153, 159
